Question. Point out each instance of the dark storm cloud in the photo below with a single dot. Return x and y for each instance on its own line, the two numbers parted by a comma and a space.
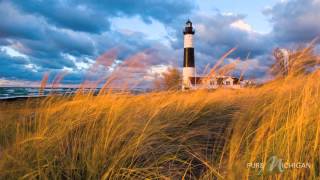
163, 10
4, 42
93, 16
295, 21
15, 68
128, 44
53, 63
73, 43
66, 14
73, 78
7, 60
13, 24
38, 36
57, 42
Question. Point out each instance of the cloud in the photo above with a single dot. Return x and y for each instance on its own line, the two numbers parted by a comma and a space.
93, 16
24, 69
16, 25
37, 36
161, 10
57, 35
16, 68
45, 31
217, 33
295, 21
242, 25
66, 14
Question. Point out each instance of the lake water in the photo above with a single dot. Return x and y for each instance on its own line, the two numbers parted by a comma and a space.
14, 92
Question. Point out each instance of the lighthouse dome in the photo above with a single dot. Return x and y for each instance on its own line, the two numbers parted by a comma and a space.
188, 28
189, 23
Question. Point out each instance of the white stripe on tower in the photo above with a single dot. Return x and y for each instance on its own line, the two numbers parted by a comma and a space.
188, 41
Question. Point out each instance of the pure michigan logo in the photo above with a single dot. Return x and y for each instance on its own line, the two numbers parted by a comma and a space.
276, 165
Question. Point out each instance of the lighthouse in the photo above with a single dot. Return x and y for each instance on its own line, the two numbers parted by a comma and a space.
188, 71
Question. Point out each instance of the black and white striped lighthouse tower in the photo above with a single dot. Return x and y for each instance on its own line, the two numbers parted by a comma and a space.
188, 58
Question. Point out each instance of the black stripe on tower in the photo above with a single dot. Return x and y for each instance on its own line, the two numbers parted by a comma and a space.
188, 57
188, 30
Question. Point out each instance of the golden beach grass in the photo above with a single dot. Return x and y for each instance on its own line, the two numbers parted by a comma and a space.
166, 135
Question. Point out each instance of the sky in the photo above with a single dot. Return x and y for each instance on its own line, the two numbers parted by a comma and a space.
89, 39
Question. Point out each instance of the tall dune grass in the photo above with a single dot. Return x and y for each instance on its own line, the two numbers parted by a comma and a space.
166, 135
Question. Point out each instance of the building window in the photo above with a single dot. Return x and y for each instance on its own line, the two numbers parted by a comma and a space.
228, 83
